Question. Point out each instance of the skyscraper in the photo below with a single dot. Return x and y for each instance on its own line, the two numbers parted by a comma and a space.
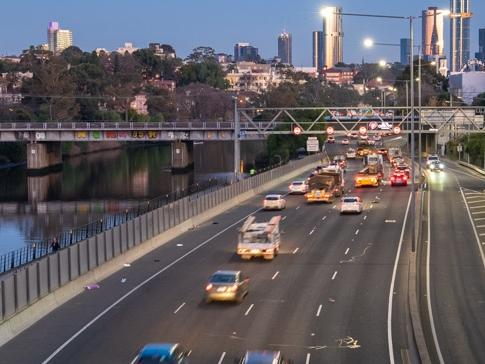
317, 46
245, 52
58, 39
333, 36
481, 44
405, 51
284, 48
433, 33
459, 34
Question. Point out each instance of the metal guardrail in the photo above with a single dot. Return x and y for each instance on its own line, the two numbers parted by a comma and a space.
80, 126
27, 254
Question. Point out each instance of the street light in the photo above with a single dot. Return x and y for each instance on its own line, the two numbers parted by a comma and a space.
382, 63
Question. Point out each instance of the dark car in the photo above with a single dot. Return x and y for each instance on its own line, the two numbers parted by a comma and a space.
263, 357
227, 285
163, 354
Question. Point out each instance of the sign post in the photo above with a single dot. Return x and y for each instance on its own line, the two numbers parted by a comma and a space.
312, 144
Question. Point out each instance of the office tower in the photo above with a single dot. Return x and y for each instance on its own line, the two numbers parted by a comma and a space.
459, 34
284, 48
245, 52
481, 44
433, 33
52, 29
333, 37
58, 39
405, 51
317, 44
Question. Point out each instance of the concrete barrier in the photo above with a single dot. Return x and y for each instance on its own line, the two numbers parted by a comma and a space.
91, 259
471, 166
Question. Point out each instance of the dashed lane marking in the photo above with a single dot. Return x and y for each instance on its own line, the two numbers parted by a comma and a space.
298, 207
365, 217
275, 275
308, 356
347, 251
357, 232
284, 218
296, 250
249, 309
319, 310
390, 221
179, 308
334, 207
334, 275
221, 358
324, 218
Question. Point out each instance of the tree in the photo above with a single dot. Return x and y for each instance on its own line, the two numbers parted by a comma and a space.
208, 72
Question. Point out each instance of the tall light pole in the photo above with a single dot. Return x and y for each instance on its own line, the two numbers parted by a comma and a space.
237, 142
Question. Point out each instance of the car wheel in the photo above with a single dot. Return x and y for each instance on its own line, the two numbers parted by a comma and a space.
208, 300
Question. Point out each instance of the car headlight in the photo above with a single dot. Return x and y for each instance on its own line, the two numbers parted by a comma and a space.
431, 166
442, 165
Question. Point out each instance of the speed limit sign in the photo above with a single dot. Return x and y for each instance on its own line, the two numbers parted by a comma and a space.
396, 130
330, 130
362, 130
373, 125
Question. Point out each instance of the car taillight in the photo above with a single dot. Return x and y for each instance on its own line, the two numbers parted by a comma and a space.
393, 178
208, 287
405, 178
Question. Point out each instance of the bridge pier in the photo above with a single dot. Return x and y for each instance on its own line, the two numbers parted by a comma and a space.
43, 156
182, 156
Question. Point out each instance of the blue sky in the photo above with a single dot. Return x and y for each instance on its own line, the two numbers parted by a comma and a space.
186, 24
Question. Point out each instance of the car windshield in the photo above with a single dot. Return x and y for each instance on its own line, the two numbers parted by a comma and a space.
350, 200
297, 183
223, 278
433, 158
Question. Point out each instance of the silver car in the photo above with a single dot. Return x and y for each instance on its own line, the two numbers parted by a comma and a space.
227, 285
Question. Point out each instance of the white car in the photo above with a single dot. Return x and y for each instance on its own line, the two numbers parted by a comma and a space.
351, 204
274, 202
431, 159
298, 187
345, 142
350, 154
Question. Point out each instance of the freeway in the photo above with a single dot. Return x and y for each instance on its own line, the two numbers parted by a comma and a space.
456, 242
324, 299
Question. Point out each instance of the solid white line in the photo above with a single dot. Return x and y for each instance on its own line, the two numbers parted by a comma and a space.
334, 275
275, 275
307, 361
134, 360
357, 232
222, 358
296, 250
179, 308
319, 310
347, 251
391, 289
428, 285
140, 285
249, 309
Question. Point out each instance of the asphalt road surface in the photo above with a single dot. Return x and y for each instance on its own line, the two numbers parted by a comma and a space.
326, 298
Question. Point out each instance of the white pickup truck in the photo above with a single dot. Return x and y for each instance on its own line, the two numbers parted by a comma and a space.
259, 239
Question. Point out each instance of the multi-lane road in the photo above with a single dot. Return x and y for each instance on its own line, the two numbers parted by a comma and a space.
336, 293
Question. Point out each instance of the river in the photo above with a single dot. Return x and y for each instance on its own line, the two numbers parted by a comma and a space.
91, 186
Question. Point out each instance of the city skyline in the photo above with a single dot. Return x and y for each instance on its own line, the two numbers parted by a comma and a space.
137, 25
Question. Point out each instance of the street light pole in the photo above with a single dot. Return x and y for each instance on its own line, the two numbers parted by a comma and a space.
413, 193
419, 109
237, 142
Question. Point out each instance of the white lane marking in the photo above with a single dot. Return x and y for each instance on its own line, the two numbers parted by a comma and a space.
391, 288
179, 308
296, 250
140, 285
357, 232
311, 232
428, 285
222, 358
249, 309
480, 226
478, 213
482, 234
334, 275
307, 361
476, 201
323, 218
298, 207
347, 251
334, 207
479, 219
275, 275
371, 206
319, 310
469, 198
390, 221
477, 207
365, 217
134, 360
284, 218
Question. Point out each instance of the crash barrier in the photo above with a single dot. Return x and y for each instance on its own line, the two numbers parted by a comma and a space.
26, 285
473, 167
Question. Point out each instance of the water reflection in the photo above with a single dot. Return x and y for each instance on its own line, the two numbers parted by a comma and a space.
88, 187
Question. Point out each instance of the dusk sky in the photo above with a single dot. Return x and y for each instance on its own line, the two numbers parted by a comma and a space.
186, 24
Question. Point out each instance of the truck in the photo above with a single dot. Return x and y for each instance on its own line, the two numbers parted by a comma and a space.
373, 172
326, 186
259, 239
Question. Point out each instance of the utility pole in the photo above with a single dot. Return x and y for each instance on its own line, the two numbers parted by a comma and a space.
419, 110
237, 142
413, 192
